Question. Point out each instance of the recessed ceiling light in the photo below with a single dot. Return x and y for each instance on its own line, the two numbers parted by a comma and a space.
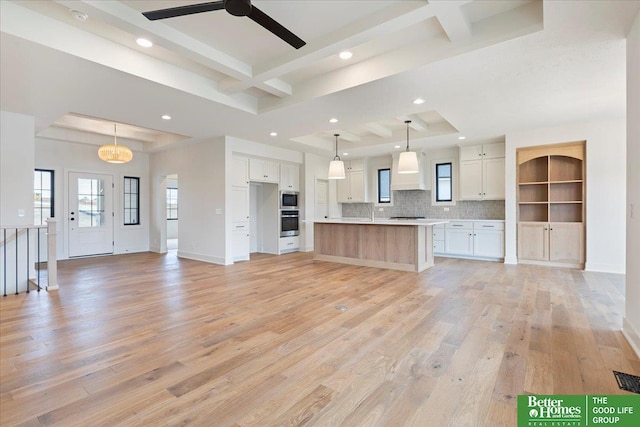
144, 42
166, 117
345, 154
80, 16
396, 146
333, 120
274, 134
462, 137
345, 54
418, 101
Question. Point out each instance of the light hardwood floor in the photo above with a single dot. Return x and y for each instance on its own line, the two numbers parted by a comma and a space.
151, 340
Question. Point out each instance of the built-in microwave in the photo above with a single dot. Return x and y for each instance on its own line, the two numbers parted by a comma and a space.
289, 200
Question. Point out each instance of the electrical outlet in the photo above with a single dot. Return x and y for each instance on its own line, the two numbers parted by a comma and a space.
218, 211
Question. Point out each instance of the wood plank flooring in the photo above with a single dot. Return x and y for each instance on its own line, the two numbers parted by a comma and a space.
150, 340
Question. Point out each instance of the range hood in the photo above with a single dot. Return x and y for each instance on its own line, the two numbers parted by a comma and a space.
408, 181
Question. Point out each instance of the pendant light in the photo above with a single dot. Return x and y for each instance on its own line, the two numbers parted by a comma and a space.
336, 167
114, 153
408, 161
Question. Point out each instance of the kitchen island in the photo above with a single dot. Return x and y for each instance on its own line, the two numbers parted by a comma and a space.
405, 245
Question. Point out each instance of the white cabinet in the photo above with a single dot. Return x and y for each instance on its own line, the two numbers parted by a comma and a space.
438, 238
239, 204
458, 238
488, 239
240, 242
289, 244
555, 242
263, 170
478, 239
353, 189
481, 172
289, 178
240, 172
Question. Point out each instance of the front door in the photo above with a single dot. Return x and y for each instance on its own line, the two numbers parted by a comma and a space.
90, 217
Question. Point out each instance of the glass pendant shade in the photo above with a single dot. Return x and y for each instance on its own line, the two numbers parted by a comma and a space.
114, 153
336, 167
408, 161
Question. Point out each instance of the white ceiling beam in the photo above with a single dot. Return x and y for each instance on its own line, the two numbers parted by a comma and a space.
346, 135
377, 129
388, 20
43, 30
416, 124
132, 21
452, 20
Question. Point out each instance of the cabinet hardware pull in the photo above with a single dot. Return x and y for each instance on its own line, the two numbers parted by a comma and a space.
456, 225
488, 226
239, 226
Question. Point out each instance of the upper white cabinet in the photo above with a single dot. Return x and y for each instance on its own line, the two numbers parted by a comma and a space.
240, 172
481, 172
353, 189
289, 178
263, 170
408, 181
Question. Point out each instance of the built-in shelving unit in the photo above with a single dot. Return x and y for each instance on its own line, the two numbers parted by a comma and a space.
551, 185
551, 192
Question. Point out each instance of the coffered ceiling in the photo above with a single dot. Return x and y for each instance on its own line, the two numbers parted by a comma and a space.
482, 67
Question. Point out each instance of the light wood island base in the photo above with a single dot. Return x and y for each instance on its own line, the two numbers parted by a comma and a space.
393, 246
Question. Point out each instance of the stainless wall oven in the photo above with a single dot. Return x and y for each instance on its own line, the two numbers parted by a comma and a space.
289, 222
289, 200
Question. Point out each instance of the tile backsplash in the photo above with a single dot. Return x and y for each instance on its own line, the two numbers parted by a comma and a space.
418, 203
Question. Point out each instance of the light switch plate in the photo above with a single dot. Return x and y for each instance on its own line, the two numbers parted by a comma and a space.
218, 211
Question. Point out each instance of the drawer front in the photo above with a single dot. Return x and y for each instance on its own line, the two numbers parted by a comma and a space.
487, 225
459, 225
287, 243
438, 234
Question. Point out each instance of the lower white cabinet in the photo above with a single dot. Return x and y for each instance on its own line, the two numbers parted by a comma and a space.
241, 241
289, 244
474, 239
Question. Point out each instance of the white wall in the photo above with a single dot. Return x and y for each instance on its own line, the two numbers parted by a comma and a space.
64, 157
16, 168
200, 166
631, 325
605, 193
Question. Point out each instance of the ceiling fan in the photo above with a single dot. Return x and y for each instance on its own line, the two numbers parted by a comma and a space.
235, 8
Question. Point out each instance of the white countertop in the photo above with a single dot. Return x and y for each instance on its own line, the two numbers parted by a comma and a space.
381, 221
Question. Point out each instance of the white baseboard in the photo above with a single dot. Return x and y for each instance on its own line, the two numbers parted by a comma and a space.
604, 268
158, 249
203, 258
632, 336
306, 249
510, 260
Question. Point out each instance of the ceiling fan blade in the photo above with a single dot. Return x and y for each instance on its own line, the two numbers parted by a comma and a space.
267, 22
183, 10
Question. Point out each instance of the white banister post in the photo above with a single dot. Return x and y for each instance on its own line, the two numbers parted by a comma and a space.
52, 258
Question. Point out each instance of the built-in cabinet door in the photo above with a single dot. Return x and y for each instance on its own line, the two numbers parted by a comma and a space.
240, 204
263, 170
344, 189
533, 241
493, 179
240, 172
471, 152
459, 242
470, 186
493, 151
488, 243
240, 243
271, 171
289, 178
356, 184
566, 242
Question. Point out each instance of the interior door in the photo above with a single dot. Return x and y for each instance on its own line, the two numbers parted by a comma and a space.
90, 215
